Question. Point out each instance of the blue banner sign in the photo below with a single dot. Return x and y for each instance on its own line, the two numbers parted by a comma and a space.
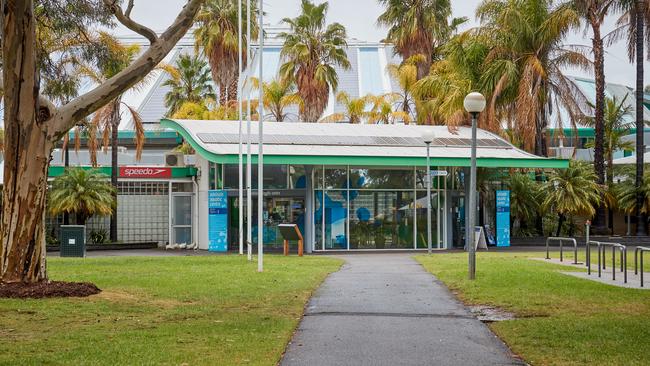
217, 221
503, 218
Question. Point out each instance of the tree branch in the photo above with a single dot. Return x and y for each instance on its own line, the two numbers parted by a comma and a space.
125, 19
84, 105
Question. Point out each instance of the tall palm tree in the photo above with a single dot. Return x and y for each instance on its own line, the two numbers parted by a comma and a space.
528, 55
189, 81
279, 94
572, 191
311, 49
217, 36
418, 27
355, 109
594, 12
106, 120
634, 22
83, 193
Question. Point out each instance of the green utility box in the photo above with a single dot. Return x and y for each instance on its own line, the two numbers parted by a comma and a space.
73, 241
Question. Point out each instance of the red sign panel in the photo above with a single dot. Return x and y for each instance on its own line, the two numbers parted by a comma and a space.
145, 172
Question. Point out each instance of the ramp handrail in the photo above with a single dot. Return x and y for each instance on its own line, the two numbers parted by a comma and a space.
636, 262
615, 246
561, 240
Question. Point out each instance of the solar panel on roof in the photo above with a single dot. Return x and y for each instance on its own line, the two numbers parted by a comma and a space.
332, 140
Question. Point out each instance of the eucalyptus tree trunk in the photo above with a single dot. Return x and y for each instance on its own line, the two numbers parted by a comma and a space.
33, 125
641, 229
599, 224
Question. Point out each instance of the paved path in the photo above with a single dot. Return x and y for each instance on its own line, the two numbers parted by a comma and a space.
385, 309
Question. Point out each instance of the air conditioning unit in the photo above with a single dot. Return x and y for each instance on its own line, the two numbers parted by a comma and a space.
176, 159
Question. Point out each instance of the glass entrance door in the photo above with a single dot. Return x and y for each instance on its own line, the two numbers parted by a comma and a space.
182, 218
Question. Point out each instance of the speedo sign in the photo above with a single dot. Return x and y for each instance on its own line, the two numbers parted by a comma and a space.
145, 172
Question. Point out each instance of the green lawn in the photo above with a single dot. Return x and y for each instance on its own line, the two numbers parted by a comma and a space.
201, 310
562, 320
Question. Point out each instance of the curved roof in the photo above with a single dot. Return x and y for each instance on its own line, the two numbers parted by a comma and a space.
355, 144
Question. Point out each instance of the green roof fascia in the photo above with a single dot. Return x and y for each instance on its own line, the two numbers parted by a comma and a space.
127, 134
177, 172
369, 160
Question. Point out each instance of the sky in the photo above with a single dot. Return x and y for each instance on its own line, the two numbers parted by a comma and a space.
360, 19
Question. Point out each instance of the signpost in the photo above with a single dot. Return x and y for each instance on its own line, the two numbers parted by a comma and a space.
503, 218
217, 221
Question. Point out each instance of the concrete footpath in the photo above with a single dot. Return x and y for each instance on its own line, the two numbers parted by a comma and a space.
385, 309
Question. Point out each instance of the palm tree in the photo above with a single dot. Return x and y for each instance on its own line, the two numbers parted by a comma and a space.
116, 57
382, 110
189, 82
524, 199
594, 13
311, 50
419, 27
572, 191
217, 35
83, 193
279, 94
632, 25
626, 192
355, 109
406, 75
526, 61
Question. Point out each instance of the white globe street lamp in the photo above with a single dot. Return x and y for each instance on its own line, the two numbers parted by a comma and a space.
428, 137
474, 103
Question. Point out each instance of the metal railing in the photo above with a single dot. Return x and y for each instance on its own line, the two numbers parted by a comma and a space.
639, 252
601, 254
562, 240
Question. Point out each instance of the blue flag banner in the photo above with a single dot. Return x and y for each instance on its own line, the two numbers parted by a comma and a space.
217, 221
503, 218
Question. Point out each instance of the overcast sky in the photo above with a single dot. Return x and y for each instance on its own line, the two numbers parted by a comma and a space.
360, 19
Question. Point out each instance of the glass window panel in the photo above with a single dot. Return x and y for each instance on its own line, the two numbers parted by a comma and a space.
182, 210
183, 235
370, 72
421, 205
275, 176
381, 220
335, 178
335, 219
381, 178
297, 178
181, 187
318, 219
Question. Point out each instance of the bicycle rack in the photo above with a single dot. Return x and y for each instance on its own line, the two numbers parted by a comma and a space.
588, 253
601, 253
561, 240
636, 262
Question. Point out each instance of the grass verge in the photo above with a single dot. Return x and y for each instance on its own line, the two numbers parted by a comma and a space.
562, 320
203, 310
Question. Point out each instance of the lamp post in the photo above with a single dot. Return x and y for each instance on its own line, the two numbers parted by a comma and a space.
474, 104
428, 137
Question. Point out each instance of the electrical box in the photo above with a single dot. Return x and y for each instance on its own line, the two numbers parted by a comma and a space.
73, 241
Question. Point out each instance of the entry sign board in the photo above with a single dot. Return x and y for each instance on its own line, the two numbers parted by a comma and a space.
439, 173
217, 221
503, 218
